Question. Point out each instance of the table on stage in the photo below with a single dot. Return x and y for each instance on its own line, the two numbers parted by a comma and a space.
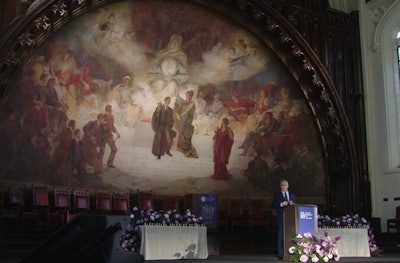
353, 242
173, 242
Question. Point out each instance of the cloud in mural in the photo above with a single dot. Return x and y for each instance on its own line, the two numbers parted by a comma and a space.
114, 37
111, 36
228, 63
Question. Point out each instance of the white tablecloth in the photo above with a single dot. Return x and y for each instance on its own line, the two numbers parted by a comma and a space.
353, 242
173, 242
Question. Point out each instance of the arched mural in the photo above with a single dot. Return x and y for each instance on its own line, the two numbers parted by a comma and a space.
172, 74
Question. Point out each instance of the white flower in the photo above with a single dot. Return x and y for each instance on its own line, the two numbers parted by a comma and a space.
308, 235
314, 258
292, 249
325, 259
303, 258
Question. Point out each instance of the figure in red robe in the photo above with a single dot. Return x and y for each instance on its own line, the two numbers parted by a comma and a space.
223, 141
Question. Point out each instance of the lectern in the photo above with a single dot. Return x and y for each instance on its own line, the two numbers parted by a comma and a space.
298, 219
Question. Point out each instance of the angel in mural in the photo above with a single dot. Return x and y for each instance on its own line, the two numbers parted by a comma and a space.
107, 31
184, 113
223, 141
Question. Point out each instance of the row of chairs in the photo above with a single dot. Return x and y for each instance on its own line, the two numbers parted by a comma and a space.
249, 217
54, 207
42, 208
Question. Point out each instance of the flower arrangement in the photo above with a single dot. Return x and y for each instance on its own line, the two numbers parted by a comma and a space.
309, 248
130, 239
352, 221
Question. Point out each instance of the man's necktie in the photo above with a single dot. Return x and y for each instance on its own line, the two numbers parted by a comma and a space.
286, 196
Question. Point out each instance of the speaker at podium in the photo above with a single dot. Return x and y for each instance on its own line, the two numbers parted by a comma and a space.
86, 238
298, 219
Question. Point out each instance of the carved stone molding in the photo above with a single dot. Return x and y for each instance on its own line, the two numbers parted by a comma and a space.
378, 8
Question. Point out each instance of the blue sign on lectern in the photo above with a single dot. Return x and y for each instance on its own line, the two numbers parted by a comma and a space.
307, 219
208, 209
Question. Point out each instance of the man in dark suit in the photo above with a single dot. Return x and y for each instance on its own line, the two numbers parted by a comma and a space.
281, 201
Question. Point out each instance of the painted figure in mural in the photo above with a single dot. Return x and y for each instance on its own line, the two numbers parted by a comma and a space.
102, 88
184, 113
239, 109
262, 105
76, 160
201, 121
307, 169
285, 101
258, 137
101, 29
61, 151
56, 108
281, 200
162, 124
91, 142
107, 137
217, 108
257, 171
122, 99
287, 135
168, 74
223, 141
9, 135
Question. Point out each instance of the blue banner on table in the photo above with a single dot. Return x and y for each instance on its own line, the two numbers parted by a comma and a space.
208, 209
307, 219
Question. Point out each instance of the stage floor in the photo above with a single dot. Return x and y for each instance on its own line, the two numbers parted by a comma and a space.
273, 259
223, 247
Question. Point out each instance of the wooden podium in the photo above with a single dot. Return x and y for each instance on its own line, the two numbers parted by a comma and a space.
298, 219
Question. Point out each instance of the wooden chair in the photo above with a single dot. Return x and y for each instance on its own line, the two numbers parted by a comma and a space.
394, 223
223, 219
60, 210
38, 211
257, 214
121, 203
171, 204
145, 200
81, 203
236, 214
103, 202
13, 204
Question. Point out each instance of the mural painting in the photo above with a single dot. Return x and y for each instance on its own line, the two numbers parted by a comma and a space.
162, 96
